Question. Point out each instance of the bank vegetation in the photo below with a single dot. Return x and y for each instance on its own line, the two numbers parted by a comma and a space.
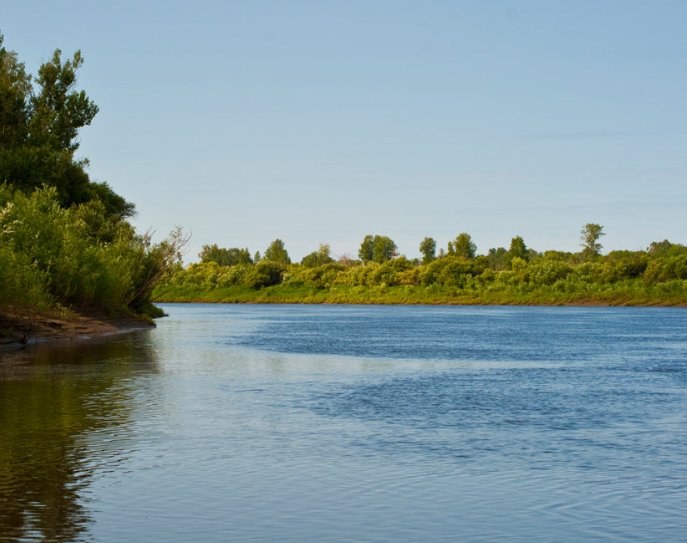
65, 243
519, 275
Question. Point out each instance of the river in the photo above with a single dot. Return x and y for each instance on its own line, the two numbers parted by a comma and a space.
266, 423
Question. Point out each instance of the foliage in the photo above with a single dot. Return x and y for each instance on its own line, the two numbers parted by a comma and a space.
462, 247
519, 275
265, 274
318, 258
276, 252
225, 257
384, 249
665, 248
448, 271
58, 111
589, 236
518, 249
316, 276
76, 257
39, 126
428, 248
497, 258
377, 249
366, 253
666, 268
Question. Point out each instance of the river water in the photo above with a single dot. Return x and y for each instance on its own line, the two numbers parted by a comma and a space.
285, 423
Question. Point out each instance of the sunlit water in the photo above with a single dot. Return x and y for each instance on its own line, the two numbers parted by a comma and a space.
352, 424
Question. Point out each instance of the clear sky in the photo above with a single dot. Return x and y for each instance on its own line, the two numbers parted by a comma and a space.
322, 121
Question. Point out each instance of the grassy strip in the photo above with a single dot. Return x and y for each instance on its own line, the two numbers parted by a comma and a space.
623, 294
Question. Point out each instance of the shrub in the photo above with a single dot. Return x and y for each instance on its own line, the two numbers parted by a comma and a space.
666, 269
265, 274
76, 257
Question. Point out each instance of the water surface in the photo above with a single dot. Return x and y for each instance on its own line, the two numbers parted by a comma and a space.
345, 423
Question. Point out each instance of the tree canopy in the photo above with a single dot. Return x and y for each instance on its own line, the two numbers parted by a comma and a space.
428, 248
378, 249
318, 258
462, 246
276, 252
384, 249
589, 236
40, 121
225, 257
366, 253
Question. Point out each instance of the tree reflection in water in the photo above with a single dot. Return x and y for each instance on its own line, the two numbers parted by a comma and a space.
51, 400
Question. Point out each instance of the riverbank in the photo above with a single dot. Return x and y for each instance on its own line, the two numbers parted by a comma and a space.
615, 295
17, 330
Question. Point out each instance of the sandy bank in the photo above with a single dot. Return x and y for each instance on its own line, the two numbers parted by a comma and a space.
16, 331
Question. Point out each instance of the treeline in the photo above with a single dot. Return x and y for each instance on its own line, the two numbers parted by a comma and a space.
518, 274
64, 239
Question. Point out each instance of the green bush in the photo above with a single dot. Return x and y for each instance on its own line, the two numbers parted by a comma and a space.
75, 256
265, 274
666, 269
451, 271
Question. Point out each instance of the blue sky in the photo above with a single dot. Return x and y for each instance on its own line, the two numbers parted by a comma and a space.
323, 121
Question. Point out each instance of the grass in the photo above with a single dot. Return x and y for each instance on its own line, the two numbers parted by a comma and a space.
630, 293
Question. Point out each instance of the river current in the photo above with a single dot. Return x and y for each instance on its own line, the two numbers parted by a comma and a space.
285, 423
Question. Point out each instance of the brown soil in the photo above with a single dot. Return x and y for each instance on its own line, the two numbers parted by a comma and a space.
20, 329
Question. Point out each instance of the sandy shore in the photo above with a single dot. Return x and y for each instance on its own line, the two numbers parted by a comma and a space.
17, 331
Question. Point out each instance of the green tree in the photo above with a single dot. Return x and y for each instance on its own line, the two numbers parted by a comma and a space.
59, 110
518, 248
589, 236
318, 258
265, 274
225, 257
15, 91
665, 248
276, 252
384, 249
463, 247
659, 248
367, 249
39, 129
497, 258
428, 248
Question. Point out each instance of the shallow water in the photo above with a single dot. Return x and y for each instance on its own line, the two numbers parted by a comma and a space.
346, 423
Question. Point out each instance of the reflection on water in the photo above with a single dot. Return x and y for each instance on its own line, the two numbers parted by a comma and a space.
49, 401
366, 424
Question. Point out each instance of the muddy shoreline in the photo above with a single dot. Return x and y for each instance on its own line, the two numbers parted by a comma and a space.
17, 332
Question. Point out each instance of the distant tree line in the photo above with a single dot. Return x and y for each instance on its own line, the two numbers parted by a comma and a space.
458, 266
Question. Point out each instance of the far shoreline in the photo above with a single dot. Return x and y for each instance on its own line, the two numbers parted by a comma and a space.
578, 303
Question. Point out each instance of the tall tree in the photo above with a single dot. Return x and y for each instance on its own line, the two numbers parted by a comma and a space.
318, 258
589, 236
225, 257
518, 248
366, 253
39, 129
59, 110
276, 252
428, 248
463, 246
384, 249
15, 91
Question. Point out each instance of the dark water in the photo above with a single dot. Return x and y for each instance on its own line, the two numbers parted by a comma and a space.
360, 424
